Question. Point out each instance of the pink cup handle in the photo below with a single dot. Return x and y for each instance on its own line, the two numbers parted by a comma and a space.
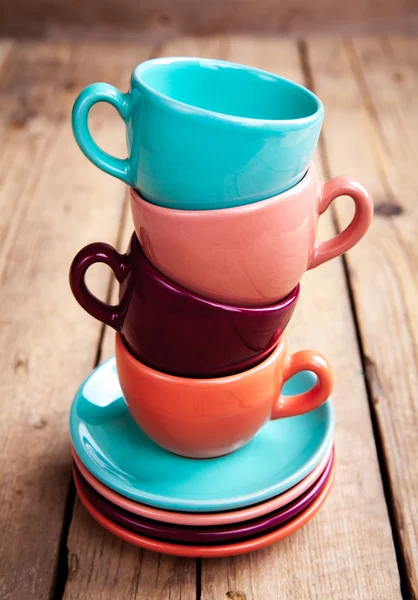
343, 186
305, 360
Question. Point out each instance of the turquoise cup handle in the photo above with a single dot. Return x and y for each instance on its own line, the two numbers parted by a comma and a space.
101, 92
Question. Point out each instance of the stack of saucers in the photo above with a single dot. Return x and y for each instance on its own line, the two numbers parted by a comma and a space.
190, 507
204, 436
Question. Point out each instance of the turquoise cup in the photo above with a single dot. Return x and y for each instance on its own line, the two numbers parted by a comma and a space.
206, 134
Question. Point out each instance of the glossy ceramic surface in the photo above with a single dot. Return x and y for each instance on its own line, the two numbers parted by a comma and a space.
217, 550
206, 519
205, 133
250, 255
116, 452
205, 418
206, 535
172, 329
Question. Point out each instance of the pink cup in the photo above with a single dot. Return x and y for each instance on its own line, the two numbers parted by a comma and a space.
251, 255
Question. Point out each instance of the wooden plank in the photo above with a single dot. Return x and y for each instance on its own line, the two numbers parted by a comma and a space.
6, 45
211, 46
118, 567
376, 80
102, 566
52, 202
347, 550
163, 19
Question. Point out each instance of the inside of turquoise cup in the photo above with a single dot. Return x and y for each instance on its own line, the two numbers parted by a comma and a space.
229, 89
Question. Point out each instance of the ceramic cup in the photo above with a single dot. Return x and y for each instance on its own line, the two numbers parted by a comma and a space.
206, 134
203, 418
172, 329
249, 255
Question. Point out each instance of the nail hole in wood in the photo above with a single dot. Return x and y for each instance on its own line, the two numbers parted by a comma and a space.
388, 209
164, 20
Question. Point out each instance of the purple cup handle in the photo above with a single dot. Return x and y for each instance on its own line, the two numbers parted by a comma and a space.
98, 252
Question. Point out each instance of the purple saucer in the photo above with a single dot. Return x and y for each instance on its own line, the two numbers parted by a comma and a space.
205, 535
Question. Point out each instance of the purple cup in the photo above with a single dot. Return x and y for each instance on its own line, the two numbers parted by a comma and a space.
173, 330
202, 535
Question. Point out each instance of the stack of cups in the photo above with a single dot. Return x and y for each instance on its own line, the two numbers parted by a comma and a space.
225, 203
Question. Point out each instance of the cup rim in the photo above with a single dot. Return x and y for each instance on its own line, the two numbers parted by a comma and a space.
231, 211
280, 347
282, 124
164, 281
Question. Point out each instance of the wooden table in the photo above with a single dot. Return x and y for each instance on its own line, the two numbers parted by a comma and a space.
362, 312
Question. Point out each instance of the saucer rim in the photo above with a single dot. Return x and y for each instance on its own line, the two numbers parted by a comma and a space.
215, 550
208, 535
202, 519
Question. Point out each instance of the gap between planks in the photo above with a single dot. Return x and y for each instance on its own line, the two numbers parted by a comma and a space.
52, 202
252, 49
157, 574
378, 434
228, 562
324, 316
372, 81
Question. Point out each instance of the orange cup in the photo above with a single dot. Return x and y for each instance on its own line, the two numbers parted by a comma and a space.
204, 418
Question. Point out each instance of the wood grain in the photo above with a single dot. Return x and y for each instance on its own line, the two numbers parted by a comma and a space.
101, 566
347, 550
5, 47
375, 80
118, 567
163, 19
52, 202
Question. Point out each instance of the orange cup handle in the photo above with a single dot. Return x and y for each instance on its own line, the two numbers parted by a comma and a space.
343, 186
305, 360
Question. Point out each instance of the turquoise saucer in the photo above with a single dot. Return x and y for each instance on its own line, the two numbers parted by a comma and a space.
116, 452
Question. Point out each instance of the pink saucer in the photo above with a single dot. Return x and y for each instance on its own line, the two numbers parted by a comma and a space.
216, 550
203, 519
